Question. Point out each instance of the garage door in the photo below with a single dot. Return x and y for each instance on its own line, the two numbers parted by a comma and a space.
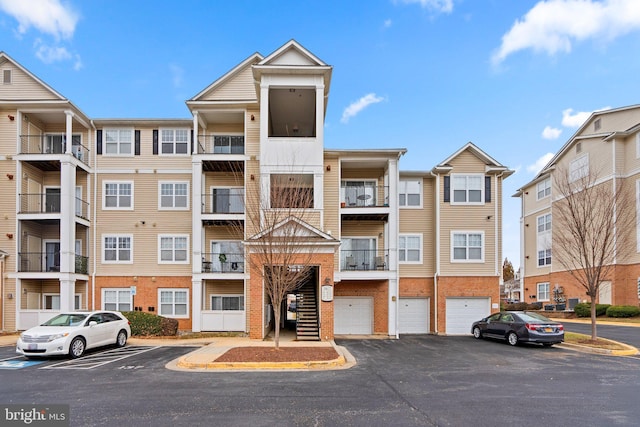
413, 315
353, 315
462, 312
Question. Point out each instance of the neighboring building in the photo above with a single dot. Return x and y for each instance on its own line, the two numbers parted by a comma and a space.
608, 144
143, 214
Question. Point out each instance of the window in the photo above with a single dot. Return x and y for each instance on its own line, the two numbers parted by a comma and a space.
174, 302
174, 195
409, 193
544, 223
227, 200
358, 253
227, 302
117, 249
410, 248
6, 77
292, 191
118, 299
173, 249
467, 246
358, 193
544, 257
467, 188
225, 257
544, 188
579, 168
52, 302
118, 142
597, 124
57, 143
174, 141
228, 144
118, 195
543, 292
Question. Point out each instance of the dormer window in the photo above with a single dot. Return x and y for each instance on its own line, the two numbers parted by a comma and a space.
6, 77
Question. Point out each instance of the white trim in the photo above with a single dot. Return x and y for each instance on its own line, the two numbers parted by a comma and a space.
544, 182
538, 292
173, 302
421, 247
172, 208
420, 193
117, 236
118, 302
173, 248
467, 260
117, 208
211, 296
118, 154
467, 202
173, 153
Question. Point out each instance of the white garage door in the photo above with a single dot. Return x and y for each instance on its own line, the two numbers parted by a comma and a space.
353, 315
462, 312
413, 316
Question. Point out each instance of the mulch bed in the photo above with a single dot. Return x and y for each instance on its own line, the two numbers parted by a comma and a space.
283, 354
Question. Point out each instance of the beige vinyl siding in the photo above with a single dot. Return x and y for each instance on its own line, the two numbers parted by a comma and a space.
222, 287
238, 87
10, 305
627, 155
630, 189
421, 222
8, 133
331, 198
23, 87
220, 233
613, 121
223, 179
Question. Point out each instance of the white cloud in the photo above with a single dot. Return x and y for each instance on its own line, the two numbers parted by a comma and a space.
354, 108
574, 120
443, 6
177, 74
49, 54
552, 26
540, 163
47, 16
387, 23
551, 133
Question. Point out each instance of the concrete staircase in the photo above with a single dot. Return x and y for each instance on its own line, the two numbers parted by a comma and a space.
307, 328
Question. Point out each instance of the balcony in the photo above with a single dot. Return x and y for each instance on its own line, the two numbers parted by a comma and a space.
223, 202
220, 144
217, 262
53, 144
363, 196
47, 203
48, 262
364, 260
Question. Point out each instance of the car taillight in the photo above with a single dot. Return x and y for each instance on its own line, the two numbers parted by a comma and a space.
560, 327
532, 326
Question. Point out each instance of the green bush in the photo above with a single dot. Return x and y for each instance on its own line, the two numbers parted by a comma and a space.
148, 324
623, 311
583, 309
516, 306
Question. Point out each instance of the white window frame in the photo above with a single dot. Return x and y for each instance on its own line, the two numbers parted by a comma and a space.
229, 145
118, 196
236, 195
77, 301
543, 187
402, 190
542, 256
117, 237
467, 233
119, 142
543, 295
119, 292
466, 176
370, 187
173, 303
579, 168
402, 240
546, 223
173, 248
173, 196
162, 142
239, 296
370, 255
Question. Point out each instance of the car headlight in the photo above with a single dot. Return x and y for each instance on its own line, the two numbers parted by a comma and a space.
58, 336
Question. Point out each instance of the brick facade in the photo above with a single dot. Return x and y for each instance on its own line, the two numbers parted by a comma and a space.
479, 286
379, 291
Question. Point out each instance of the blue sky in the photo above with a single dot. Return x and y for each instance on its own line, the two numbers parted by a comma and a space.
516, 78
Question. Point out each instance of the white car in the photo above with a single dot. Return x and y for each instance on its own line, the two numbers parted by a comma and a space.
73, 333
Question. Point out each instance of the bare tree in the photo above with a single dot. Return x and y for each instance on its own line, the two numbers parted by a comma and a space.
591, 223
280, 246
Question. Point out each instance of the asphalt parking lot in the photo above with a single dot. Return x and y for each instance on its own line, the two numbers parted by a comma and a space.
417, 380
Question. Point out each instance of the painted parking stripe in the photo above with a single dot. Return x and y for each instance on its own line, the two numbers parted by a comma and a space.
100, 359
11, 358
18, 364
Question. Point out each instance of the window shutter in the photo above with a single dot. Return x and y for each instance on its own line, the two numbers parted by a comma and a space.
137, 142
447, 188
191, 141
99, 141
487, 189
155, 141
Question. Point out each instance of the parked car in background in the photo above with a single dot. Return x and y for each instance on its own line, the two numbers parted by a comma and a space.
73, 333
519, 326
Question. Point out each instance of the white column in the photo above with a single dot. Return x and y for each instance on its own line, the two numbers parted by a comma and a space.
68, 131
393, 227
196, 215
196, 304
320, 113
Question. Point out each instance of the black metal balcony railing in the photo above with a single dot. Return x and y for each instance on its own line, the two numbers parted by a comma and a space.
41, 262
49, 203
363, 259
364, 196
52, 144
217, 262
223, 201
220, 144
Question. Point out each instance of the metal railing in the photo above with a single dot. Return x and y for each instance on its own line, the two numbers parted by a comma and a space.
220, 144
363, 259
221, 201
49, 203
48, 262
364, 196
45, 144
217, 262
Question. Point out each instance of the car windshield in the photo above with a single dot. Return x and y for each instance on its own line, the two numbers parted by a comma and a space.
66, 320
533, 317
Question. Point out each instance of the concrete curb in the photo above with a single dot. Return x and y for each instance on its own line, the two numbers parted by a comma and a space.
628, 351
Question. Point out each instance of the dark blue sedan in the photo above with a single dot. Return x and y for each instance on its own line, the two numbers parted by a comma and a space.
519, 326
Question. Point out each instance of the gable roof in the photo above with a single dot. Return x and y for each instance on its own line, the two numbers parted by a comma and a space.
302, 230
45, 86
491, 164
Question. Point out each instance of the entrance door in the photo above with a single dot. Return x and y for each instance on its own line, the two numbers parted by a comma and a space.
52, 256
34, 203
52, 199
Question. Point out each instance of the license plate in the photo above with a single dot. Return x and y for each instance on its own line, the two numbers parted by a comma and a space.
548, 329
32, 346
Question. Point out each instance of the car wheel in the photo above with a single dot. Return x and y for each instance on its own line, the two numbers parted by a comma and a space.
77, 347
512, 338
477, 334
121, 339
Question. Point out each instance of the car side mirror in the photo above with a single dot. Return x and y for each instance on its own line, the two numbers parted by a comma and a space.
93, 323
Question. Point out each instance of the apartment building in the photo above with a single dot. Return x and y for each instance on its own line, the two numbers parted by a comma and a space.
153, 214
607, 145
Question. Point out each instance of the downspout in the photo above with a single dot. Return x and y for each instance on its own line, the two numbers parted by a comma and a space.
615, 206
522, 263
2, 261
94, 225
437, 272
495, 215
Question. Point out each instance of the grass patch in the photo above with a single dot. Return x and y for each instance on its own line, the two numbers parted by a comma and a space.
582, 339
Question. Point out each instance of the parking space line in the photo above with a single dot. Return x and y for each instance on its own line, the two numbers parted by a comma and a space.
11, 358
100, 359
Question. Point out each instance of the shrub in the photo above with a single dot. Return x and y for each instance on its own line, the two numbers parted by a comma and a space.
534, 306
583, 309
146, 324
623, 311
516, 306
